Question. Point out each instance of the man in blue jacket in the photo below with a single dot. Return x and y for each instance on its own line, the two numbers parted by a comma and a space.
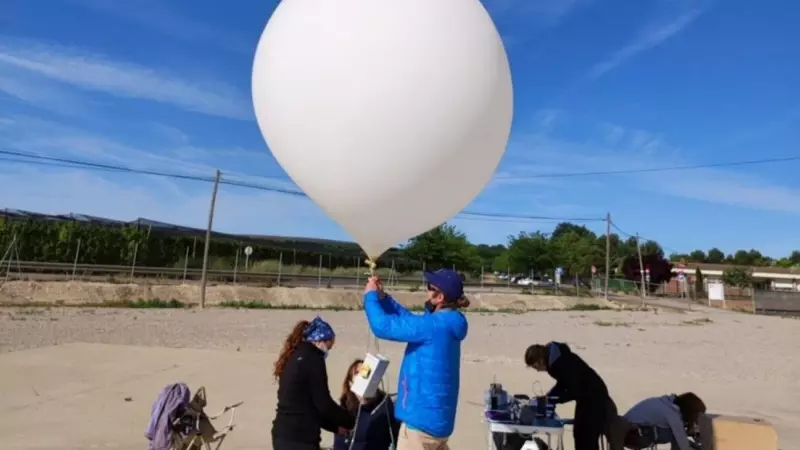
427, 391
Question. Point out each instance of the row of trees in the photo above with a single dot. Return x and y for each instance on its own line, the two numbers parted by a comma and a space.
61, 241
574, 248
740, 258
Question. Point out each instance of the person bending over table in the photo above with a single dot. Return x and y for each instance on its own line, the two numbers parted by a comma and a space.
667, 419
575, 381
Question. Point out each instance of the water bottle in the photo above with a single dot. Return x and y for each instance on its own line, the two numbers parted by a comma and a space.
495, 389
502, 398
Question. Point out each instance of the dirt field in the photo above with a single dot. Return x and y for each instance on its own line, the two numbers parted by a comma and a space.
67, 372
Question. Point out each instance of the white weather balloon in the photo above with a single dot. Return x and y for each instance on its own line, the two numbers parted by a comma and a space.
391, 115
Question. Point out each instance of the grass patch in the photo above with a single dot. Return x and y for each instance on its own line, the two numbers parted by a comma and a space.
413, 308
264, 305
152, 303
604, 323
142, 303
587, 307
701, 321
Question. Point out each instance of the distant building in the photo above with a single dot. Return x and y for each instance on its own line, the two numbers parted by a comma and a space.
773, 278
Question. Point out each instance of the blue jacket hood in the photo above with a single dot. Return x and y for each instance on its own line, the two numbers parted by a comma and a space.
452, 321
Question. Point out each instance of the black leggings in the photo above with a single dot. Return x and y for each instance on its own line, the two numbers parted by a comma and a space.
591, 417
282, 444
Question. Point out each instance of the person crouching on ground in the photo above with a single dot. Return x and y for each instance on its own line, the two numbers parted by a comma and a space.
667, 419
428, 385
575, 380
376, 427
305, 405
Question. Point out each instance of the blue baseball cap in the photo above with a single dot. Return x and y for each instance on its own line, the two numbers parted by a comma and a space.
448, 282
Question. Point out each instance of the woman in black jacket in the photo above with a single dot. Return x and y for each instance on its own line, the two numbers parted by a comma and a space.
376, 427
305, 406
575, 380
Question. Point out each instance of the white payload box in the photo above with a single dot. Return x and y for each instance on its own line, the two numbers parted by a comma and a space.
369, 376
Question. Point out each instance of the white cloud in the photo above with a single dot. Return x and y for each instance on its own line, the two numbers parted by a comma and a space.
544, 13
156, 15
237, 211
93, 72
728, 188
42, 95
651, 36
547, 118
177, 155
636, 150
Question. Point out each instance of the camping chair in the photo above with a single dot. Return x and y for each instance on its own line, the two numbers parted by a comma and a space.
193, 429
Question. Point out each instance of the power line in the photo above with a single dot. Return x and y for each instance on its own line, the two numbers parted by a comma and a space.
614, 226
76, 164
51, 161
501, 177
502, 215
639, 237
512, 219
651, 169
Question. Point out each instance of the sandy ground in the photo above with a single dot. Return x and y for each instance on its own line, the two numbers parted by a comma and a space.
66, 373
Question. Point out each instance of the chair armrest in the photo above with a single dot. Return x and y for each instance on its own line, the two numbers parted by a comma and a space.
226, 409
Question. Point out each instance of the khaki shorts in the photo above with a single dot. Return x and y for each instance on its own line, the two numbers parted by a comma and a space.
409, 439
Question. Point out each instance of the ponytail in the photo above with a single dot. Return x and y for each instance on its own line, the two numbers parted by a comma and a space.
461, 303
289, 345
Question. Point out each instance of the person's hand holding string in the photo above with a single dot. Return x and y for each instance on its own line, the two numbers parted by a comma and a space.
374, 284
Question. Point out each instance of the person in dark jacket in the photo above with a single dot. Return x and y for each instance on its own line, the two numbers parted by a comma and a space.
376, 427
575, 381
667, 419
305, 406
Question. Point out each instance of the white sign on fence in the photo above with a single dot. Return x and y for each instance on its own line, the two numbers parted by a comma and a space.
716, 291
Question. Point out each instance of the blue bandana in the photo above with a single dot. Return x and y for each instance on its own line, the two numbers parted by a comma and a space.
318, 330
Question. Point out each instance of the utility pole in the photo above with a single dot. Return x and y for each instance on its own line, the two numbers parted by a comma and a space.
204, 277
608, 251
641, 266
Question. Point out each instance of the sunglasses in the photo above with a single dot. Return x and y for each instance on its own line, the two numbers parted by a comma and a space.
432, 288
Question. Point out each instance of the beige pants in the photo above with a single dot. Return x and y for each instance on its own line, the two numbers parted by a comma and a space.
417, 440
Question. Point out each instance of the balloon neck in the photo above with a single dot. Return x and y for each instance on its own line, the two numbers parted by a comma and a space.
372, 265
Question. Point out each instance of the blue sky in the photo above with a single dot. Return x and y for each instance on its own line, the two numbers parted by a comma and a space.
599, 85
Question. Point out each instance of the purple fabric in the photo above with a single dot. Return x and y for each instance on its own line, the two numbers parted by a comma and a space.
169, 401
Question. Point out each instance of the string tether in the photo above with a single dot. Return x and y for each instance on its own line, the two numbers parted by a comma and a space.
372, 264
